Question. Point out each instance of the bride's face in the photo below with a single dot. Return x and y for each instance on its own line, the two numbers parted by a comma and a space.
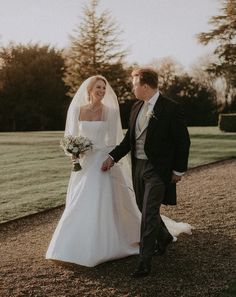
98, 91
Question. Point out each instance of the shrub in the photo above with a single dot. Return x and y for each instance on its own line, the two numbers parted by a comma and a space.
227, 122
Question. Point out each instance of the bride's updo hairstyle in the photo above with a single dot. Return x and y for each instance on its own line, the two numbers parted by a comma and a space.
92, 83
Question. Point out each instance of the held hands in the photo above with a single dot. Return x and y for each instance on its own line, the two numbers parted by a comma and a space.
107, 164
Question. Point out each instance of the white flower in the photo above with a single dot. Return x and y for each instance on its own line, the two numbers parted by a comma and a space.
76, 146
75, 150
150, 114
87, 142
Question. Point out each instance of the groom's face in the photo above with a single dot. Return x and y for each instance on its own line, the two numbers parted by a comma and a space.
139, 90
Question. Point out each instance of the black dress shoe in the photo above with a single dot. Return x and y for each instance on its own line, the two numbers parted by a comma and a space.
143, 270
161, 248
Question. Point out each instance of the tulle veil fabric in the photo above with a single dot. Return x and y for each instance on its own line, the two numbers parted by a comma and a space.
110, 112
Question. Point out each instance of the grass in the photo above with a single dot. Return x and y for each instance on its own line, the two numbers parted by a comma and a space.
35, 172
231, 290
209, 144
34, 175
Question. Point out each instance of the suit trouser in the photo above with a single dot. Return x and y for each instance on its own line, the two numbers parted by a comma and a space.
149, 191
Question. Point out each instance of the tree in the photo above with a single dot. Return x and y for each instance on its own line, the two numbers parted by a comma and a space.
32, 93
208, 79
198, 101
199, 71
167, 69
197, 98
95, 49
223, 34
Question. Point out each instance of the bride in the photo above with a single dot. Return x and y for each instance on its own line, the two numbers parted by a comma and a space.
101, 220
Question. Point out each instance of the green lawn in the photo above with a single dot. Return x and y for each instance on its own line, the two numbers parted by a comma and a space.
209, 144
35, 172
231, 290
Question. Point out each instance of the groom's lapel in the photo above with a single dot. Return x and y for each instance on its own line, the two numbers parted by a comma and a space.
133, 117
154, 119
134, 114
153, 122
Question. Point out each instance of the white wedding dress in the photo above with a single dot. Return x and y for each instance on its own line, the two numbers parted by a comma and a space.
101, 220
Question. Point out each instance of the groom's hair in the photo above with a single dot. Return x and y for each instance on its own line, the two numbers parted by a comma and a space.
146, 76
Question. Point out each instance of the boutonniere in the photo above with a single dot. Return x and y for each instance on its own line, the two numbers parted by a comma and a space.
151, 114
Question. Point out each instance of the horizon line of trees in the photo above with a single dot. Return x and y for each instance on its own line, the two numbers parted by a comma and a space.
37, 82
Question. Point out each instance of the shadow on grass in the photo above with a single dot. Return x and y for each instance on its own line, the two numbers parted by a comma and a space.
222, 136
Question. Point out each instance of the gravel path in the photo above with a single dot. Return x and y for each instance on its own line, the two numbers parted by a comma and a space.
199, 265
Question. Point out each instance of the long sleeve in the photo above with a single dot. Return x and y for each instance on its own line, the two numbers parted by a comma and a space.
181, 140
122, 149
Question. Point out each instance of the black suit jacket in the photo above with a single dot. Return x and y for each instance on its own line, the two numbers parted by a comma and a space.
167, 142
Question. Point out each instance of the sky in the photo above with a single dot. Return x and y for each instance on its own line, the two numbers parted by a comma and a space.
152, 29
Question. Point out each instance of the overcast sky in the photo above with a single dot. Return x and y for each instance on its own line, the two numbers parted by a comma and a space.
151, 28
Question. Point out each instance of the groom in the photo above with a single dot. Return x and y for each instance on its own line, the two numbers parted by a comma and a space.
159, 143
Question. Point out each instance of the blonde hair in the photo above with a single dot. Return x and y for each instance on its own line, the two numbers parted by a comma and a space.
93, 81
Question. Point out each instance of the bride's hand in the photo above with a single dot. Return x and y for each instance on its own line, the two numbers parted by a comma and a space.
74, 159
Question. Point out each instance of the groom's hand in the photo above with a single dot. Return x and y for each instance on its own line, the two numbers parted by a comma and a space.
176, 178
107, 164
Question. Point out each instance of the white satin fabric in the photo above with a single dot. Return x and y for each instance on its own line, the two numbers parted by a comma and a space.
101, 221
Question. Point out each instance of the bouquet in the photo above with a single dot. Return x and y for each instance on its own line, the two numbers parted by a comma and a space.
75, 146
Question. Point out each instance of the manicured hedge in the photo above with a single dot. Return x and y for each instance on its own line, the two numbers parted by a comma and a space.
227, 122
